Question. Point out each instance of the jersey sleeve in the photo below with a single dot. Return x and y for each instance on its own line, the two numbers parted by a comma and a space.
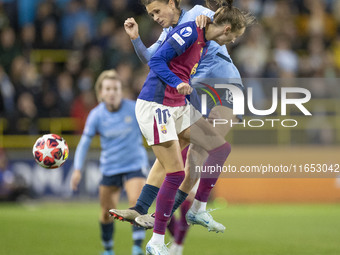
85, 141
81, 151
178, 41
90, 128
145, 54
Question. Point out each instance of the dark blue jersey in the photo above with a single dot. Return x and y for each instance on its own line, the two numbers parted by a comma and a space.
173, 63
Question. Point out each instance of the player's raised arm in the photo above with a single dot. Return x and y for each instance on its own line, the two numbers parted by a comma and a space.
131, 28
174, 46
143, 53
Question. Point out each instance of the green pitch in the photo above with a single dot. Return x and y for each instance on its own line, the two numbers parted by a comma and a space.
72, 229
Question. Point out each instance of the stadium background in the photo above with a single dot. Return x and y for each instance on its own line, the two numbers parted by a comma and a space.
50, 55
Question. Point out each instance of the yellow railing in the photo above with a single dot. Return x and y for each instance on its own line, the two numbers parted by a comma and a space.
57, 56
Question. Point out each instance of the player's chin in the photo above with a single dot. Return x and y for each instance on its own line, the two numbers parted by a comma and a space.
164, 24
110, 103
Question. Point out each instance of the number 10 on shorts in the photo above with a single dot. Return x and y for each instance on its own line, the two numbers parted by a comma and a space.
163, 115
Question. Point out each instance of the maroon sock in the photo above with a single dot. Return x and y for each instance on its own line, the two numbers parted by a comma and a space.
182, 225
216, 160
172, 225
166, 200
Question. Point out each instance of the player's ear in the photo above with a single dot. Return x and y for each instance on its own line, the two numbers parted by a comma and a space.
171, 3
227, 29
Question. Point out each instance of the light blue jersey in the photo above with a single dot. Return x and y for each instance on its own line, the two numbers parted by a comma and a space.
215, 64
121, 142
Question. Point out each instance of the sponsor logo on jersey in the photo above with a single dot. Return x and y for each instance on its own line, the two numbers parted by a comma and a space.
186, 32
163, 129
178, 39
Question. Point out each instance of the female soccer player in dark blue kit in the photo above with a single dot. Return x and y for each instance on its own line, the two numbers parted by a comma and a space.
215, 64
122, 156
166, 119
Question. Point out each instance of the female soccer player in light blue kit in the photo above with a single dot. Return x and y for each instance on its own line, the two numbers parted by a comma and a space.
122, 154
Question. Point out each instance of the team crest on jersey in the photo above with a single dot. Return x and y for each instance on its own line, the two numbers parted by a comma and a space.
186, 32
163, 129
128, 119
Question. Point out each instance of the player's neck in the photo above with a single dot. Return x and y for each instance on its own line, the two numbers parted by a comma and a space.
212, 31
113, 107
176, 17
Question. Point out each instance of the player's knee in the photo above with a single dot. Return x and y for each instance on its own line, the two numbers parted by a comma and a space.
176, 165
192, 177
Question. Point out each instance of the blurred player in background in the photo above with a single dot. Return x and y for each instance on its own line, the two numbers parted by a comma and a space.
122, 157
215, 64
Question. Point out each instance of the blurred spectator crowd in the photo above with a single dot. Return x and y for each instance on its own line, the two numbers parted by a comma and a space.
51, 51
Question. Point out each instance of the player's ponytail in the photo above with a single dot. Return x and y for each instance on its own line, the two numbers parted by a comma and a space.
228, 14
108, 74
230, 4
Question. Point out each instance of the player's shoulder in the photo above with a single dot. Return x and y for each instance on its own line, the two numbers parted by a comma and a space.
94, 115
199, 10
97, 110
186, 29
99, 107
184, 33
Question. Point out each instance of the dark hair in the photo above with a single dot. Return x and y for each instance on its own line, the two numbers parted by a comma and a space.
147, 2
227, 13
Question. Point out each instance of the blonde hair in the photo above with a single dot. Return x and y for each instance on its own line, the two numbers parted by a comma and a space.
147, 2
108, 74
228, 14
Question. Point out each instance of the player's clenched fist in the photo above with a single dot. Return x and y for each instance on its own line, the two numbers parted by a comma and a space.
131, 28
184, 88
